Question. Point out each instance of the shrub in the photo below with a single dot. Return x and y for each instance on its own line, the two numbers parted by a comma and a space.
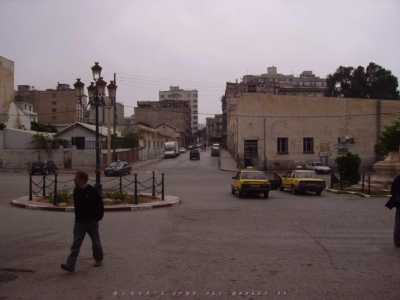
348, 167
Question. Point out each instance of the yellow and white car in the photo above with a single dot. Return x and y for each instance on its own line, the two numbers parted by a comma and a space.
250, 181
303, 181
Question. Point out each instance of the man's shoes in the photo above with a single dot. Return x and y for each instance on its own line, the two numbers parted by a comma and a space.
67, 268
98, 263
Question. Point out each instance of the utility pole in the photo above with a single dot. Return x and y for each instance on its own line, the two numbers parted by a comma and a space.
114, 121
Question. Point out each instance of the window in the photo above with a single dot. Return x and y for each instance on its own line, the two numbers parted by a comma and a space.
53, 110
308, 145
283, 147
53, 102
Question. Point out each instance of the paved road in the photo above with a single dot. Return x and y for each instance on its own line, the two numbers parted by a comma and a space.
213, 244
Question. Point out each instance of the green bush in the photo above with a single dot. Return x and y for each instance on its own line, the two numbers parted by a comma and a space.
62, 196
117, 196
348, 167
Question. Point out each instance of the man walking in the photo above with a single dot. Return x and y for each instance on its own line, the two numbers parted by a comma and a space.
89, 210
394, 201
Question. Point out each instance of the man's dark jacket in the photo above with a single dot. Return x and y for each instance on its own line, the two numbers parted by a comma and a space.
394, 200
89, 205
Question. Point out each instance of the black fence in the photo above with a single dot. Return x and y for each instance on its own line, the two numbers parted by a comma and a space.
52, 185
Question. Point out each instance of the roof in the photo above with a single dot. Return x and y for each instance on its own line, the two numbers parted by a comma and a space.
103, 131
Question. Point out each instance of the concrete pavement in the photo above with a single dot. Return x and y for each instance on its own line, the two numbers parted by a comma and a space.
227, 163
213, 246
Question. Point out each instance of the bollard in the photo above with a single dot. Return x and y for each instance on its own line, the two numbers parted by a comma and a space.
154, 185
136, 191
120, 184
369, 184
30, 186
162, 187
44, 186
55, 200
363, 183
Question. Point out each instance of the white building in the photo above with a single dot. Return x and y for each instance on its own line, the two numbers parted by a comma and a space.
20, 115
175, 93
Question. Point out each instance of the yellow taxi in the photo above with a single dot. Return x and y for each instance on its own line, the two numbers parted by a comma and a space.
303, 181
250, 181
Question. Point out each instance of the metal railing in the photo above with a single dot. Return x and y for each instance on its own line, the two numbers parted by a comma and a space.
51, 185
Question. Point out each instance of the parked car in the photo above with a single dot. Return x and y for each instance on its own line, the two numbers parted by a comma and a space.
303, 181
250, 181
319, 167
190, 147
118, 168
182, 150
195, 154
215, 150
43, 168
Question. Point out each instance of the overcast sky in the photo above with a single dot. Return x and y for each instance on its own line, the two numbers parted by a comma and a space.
194, 44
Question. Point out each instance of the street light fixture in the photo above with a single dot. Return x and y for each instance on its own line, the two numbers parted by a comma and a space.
97, 96
96, 71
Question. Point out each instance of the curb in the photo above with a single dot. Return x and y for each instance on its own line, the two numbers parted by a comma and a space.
169, 201
335, 191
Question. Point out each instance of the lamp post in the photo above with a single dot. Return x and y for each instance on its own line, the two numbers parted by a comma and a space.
97, 98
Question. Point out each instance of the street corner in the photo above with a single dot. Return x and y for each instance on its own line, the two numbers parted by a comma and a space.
24, 202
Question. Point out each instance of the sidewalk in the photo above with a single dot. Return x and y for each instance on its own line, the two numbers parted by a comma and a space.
226, 161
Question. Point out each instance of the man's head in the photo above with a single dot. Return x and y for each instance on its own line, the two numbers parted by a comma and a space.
81, 179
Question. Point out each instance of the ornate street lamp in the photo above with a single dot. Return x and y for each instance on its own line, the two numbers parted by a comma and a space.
97, 96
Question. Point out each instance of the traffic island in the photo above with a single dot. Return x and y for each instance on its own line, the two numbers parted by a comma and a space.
145, 201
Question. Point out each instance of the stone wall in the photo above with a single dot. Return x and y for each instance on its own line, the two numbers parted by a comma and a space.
264, 118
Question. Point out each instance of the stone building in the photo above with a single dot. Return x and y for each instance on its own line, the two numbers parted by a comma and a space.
21, 115
214, 129
6, 86
279, 131
272, 82
170, 112
53, 106
104, 111
176, 93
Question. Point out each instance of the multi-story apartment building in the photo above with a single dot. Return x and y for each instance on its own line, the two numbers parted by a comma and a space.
54, 106
214, 129
103, 112
6, 86
272, 82
173, 113
176, 93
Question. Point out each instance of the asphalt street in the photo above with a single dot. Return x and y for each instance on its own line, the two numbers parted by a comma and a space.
212, 246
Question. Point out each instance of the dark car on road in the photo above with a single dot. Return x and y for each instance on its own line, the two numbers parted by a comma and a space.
195, 154
215, 150
118, 168
43, 168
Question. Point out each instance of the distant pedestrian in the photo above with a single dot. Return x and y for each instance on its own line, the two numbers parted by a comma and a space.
394, 201
89, 210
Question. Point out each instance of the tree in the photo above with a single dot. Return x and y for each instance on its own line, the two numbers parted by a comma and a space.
348, 167
42, 127
389, 141
372, 82
128, 141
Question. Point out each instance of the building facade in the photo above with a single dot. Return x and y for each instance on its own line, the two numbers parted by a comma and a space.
279, 131
106, 112
176, 93
214, 128
272, 82
53, 106
21, 115
174, 113
6, 86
